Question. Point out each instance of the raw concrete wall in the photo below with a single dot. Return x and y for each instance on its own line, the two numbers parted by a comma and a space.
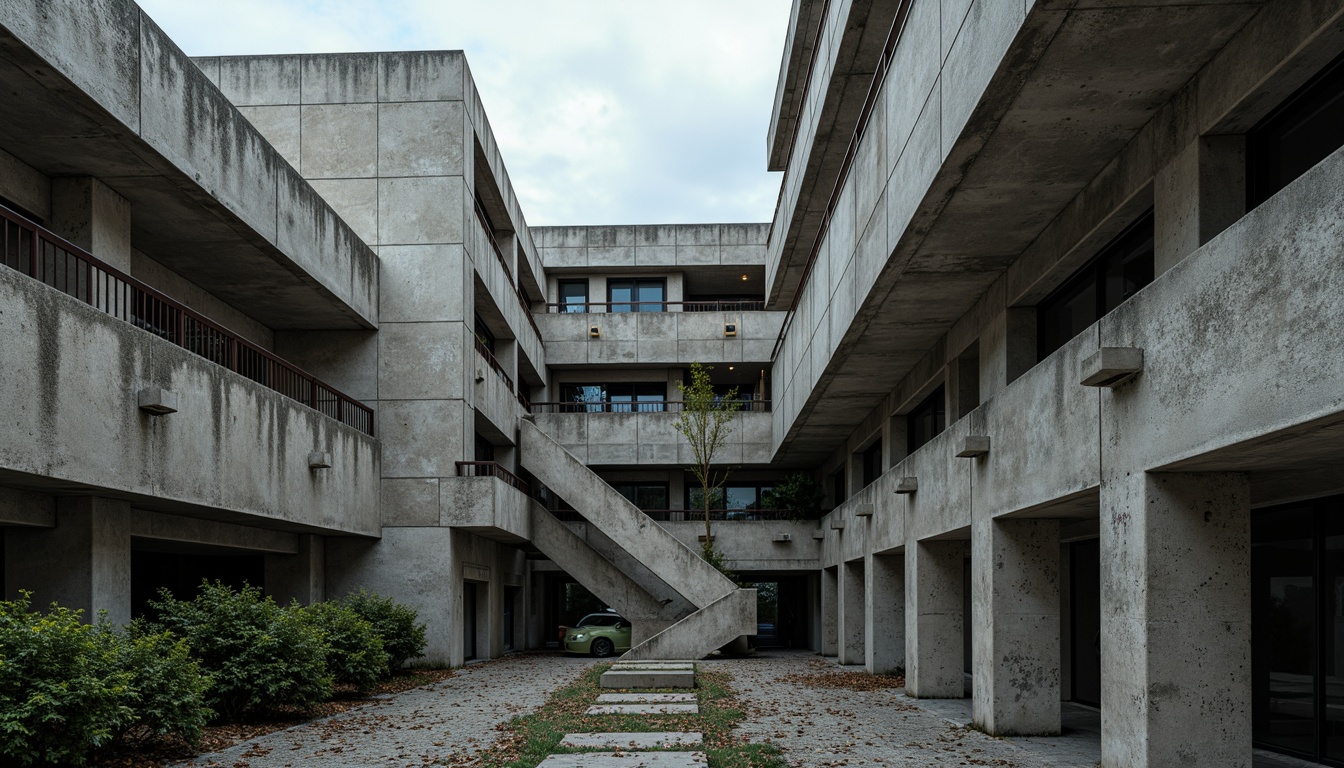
612, 439
234, 449
667, 338
653, 245
749, 545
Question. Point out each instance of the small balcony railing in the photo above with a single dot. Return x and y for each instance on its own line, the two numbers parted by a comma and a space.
698, 515
484, 221
659, 406
41, 254
618, 307
492, 469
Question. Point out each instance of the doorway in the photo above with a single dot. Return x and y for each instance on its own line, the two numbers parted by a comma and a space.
468, 620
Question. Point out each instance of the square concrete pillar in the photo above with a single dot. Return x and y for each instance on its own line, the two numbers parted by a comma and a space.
851, 613
1015, 621
1176, 620
300, 576
884, 613
934, 619
83, 563
89, 214
830, 614
1201, 192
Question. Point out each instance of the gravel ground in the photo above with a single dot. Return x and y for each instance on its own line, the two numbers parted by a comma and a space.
449, 720
828, 727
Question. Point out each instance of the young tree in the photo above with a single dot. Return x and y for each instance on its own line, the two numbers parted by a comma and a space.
706, 421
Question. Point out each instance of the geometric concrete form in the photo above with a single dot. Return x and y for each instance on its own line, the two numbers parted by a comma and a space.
934, 619
156, 401
713, 626
830, 612
907, 485
818, 534
972, 446
1015, 620
1111, 366
643, 709
782, 538
653, 664
651, 740
319, 460
863, 510
648, 678
626, 760
1176, 619
645, 698
884, 612
850, 619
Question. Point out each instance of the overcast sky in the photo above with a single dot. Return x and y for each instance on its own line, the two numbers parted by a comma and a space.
607, 111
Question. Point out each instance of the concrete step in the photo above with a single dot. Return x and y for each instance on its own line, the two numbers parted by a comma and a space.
644, 709
627, 760
648, 678
646, 698
654, 740
653, 664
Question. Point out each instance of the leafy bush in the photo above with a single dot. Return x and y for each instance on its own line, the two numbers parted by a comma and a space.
258, 655
61, 691
799, 494
169, 690
354, 649
403, 638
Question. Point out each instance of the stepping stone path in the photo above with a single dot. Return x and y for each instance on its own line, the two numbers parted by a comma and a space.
642, 674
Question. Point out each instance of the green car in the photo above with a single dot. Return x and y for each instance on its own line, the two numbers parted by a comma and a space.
600, 634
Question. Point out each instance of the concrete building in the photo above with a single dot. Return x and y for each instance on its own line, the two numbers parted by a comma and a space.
1050, 304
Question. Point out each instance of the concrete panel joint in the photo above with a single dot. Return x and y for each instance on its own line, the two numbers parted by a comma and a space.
156, 401
1111, 366
972, 446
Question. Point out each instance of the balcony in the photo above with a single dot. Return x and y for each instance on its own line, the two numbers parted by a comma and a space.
649, 438
44, 256
659, 338
488, 500
617, 307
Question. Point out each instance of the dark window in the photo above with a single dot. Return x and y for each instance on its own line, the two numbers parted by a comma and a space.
1121, 268
925, 421
1300, 133
485, 450
838, 495
614, 398
644, 495
636, 295
484, 336
1297, 629
737, 497
24, 212
872, 463
573, 295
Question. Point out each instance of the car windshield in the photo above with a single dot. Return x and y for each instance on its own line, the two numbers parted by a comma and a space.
600, 620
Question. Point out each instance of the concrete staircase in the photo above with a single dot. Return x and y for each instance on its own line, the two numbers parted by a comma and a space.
721, 612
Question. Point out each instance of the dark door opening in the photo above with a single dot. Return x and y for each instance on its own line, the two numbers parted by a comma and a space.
468, 620
510, 595
181, 573
1085, 621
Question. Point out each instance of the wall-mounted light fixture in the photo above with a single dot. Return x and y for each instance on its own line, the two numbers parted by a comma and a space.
1111, 366
156, 401
782, 538
730, 329
594, 331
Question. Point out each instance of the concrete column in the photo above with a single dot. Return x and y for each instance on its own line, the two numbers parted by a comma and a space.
1175, 620
884, 613
830, 614
1015, 616
300, 576
934, 619
84, 562
89, 214
1198, 194
851, 613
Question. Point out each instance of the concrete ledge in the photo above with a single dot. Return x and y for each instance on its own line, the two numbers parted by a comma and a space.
627, 760
648, 678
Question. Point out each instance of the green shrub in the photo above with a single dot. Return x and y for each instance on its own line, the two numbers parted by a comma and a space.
354, 649
169, 690
61, 691
258, 655
403, 638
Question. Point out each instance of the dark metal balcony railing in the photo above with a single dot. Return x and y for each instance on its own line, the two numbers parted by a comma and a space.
492, 469
41, 254
484, 221
698, 515
484, 351
712, 305
660, 406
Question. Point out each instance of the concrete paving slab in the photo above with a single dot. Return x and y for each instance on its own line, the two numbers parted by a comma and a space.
627, 760
619, 740
645, 698
647, 678
667, 667
644, 709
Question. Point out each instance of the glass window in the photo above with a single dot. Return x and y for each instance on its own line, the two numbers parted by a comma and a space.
926, 421
573, 295
838, 495
483, 335
1304, 130
872, 463
582, 398
1117, 272
643, 398
644, 495
637, 295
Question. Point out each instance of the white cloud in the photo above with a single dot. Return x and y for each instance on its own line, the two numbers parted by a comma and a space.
607, 111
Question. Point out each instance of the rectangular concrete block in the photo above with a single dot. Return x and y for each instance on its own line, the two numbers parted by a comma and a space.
648, 678
627, 760
340, 141
643, 709
650, 740
645, 698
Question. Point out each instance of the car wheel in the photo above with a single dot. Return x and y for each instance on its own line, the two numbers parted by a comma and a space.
602, 647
